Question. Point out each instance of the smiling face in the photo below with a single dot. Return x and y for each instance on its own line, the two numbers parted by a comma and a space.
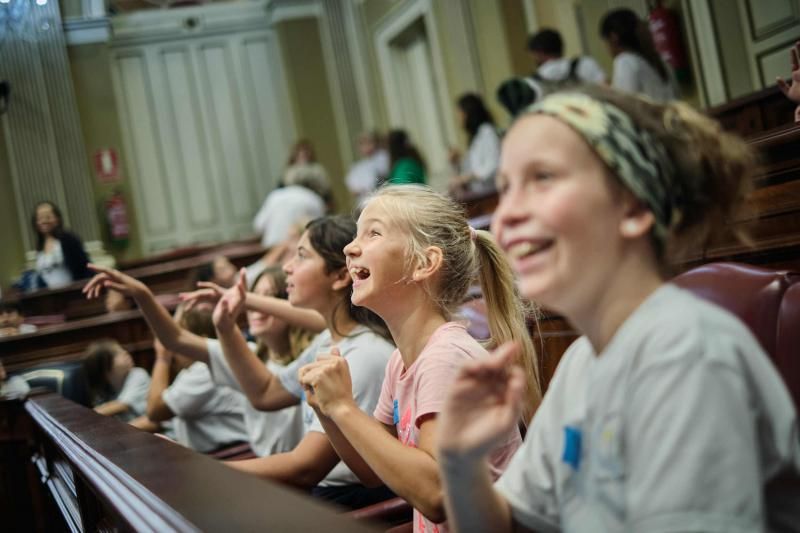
559, 217
377, 259
263, 324
308, 283
46, 219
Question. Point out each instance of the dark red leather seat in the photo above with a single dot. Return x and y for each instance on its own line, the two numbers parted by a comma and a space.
787, 354
753, 294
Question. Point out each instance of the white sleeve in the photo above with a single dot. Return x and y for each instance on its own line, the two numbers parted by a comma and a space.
189, 395
625, 73
288, 374
590, 70
221, 372
134, 390
693, 425
260, 221
484, 152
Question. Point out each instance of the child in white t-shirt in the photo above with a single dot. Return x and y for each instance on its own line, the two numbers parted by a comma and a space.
666, 415
412, 262
117, 387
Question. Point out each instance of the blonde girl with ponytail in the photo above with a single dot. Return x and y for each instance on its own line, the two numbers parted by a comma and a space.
412, 262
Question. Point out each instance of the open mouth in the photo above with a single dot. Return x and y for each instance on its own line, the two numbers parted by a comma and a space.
359, 273
522, 250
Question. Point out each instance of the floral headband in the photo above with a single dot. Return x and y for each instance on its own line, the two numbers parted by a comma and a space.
638, 160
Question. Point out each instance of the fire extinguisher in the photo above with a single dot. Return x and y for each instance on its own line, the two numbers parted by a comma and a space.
665, 29
117, 219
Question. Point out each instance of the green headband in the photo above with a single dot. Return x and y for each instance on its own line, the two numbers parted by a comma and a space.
638, 160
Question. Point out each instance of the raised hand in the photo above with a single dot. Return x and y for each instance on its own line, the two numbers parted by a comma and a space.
112, 279
792, 89
483, 404
231, 305
207, 292
327, 383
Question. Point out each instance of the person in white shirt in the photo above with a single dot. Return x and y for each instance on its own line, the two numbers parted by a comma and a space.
368, 172
118, 388
205, 416
547, 49
666, 415
638, 68
285, 207
475, 171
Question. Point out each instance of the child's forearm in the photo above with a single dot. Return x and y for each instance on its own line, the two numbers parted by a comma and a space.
471, 501
262, 388
295, 316
112, 408
157, 409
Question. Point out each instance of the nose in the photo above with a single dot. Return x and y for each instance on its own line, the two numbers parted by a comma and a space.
352, 248
287, 267
510, 211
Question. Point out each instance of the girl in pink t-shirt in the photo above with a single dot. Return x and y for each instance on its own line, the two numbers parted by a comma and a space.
412, 262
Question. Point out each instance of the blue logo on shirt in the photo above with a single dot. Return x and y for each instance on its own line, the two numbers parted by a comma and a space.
396, 410
572, 446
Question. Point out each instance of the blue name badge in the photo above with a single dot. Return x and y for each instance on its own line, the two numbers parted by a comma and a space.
572, 446
396, 416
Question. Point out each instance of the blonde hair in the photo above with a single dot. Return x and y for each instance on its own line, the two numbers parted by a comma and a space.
431, 219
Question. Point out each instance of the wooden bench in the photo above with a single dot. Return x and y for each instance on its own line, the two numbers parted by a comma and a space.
68, 341
169, 277
80, 471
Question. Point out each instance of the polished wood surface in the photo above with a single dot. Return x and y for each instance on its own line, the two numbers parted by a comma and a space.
105, 475
169, 276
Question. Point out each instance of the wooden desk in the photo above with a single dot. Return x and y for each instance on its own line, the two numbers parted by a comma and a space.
98, 474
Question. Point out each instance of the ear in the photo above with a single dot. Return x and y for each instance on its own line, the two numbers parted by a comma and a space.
340, 279
637, 220
430, 265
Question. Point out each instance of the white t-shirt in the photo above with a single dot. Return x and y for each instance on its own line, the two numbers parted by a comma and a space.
587, 70
134, 393
284, 208
677, 426
365, 174
14, 386
635, 75
207, 416
52, 268
484, 154
267, 431
367, 354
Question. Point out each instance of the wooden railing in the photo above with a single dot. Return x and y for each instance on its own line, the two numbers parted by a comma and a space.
169, 276
98, 474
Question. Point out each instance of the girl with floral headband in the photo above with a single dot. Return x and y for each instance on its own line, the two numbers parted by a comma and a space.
666, 415
412, 261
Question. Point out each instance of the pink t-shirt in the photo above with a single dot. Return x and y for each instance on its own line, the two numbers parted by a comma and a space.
408, 395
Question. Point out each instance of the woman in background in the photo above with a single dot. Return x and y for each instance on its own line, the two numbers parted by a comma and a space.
476, 170
60, 257
637, 66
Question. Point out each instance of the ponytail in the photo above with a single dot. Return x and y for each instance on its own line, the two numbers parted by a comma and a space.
507, 314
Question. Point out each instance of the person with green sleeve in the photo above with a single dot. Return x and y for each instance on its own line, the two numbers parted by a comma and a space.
406, 163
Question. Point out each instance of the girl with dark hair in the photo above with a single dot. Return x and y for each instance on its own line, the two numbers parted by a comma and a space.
405, 162
638, 68
477, 169
317, 278
118, 388
60, 257
281, 332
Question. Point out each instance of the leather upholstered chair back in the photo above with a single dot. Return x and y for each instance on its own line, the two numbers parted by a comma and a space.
787, 355
751, 293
